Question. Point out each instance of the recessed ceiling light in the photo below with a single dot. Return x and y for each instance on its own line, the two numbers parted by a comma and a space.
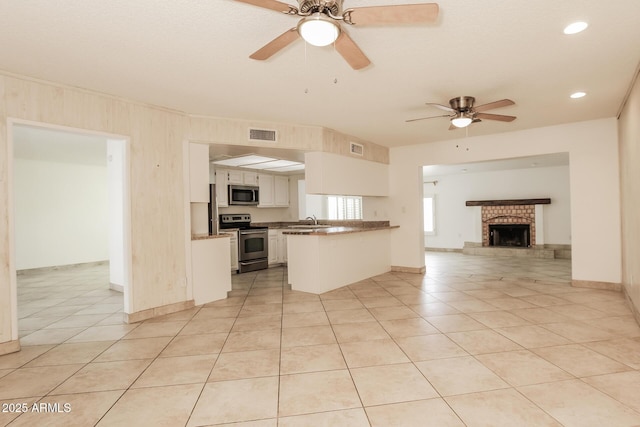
253, 161
272, 164
577, 95
243, 160
575, 27
297, 167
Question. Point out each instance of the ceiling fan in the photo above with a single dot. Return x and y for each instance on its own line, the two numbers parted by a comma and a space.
320, 24
462, 111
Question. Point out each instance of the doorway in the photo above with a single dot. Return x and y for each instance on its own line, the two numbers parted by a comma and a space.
70, 227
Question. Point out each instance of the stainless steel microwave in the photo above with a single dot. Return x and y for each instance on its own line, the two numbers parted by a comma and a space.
244, 195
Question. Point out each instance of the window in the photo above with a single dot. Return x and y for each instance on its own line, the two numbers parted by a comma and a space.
429, 215
344, 207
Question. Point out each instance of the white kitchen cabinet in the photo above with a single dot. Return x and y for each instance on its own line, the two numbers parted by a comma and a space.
222, 194
234, 176
198, 173
273, 247
281, 191
233, 248
282, 247
277, 246
250, 178
267, 196
239, 177
234, 252
274, 191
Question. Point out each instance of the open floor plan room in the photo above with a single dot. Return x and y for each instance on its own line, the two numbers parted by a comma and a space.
476, 341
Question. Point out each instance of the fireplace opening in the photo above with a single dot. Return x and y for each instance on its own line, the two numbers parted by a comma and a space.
510, 235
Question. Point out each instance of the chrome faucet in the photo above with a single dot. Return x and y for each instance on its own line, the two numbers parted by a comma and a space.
313, 218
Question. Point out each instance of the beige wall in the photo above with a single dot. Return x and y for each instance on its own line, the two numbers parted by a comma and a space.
594, 189
629, 130
156, 173
156, 137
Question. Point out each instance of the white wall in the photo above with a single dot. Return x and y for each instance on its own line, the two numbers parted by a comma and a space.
330, 173
457, 223
594, 187
61, 214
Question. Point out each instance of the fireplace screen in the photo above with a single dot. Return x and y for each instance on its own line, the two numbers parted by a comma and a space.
510, 235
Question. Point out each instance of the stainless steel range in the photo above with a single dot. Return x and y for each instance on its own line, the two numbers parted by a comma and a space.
253, 244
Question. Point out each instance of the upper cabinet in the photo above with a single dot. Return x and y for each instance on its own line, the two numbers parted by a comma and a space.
281, 190
198, 173
242, 177
267, 195
222, 195
274, 191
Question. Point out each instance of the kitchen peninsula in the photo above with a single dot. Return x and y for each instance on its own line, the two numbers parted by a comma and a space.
321, 259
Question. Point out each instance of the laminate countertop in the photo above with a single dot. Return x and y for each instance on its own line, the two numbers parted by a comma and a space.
332, 231
207, 236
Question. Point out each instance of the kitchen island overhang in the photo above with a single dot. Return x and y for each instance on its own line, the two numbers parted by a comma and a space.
321, 260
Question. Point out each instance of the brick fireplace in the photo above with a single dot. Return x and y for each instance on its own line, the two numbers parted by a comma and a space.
509, 223
516, 222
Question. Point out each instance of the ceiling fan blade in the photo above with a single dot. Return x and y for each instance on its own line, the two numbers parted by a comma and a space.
275, 45
398, 14
492, 105
425, 118
498, 117
269, 4
442, 107
351, 52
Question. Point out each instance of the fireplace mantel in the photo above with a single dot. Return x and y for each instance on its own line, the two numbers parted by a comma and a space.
514, 202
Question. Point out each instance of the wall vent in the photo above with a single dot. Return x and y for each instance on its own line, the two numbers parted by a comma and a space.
357, 149
262, 135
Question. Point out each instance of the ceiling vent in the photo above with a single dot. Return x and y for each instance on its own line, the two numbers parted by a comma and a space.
355, 148
262, 135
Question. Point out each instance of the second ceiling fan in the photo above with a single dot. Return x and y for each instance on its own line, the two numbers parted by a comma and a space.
320, 24
462, 111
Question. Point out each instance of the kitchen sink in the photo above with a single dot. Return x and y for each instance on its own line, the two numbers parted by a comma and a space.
310, 226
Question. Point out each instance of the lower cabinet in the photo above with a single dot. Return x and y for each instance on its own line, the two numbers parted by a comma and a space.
273, 246
277, 247
282, 248
233, 248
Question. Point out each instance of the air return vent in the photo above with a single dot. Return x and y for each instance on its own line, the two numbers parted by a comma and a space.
262, 135
357, 149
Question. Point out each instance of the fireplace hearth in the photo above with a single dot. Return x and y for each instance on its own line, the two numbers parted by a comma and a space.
510, 235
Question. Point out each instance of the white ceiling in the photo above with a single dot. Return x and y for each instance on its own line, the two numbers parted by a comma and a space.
193, 56
542, 161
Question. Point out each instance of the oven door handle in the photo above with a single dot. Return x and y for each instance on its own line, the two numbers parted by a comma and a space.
244, 232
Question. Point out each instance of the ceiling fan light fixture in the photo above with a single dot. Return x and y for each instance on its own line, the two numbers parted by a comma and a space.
318, 30
575, 28
461, 121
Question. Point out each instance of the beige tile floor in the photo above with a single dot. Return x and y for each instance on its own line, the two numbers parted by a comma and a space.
476, 341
